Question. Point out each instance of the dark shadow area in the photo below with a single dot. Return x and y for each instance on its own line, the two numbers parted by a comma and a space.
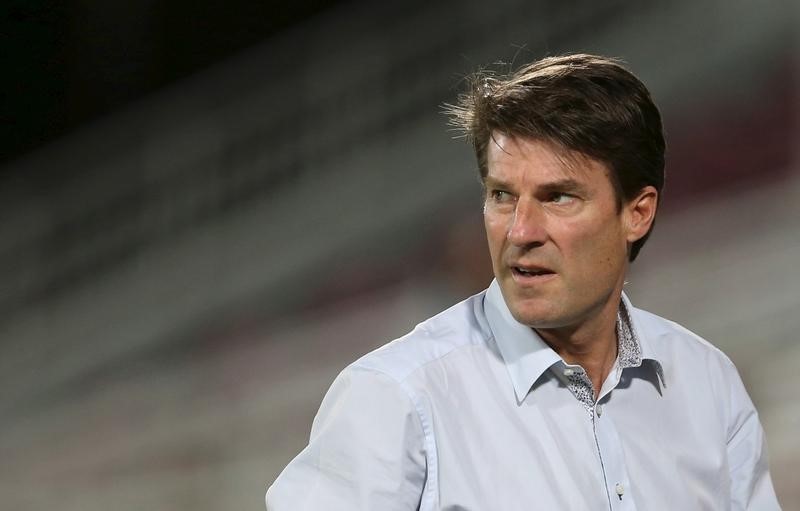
68, 63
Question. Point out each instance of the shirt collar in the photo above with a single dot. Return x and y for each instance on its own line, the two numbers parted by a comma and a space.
527, 356
640, 336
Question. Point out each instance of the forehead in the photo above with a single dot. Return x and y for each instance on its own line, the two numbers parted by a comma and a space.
510, 157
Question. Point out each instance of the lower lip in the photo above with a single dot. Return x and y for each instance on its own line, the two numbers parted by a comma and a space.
527, 279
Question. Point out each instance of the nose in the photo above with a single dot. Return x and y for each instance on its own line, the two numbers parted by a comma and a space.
527, 228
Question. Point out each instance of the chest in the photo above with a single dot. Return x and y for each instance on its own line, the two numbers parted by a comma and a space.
635, 450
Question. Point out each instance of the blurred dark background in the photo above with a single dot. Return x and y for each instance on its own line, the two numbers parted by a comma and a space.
70, 62
207, 210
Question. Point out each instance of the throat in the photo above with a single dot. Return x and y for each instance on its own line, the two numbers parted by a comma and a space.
596, 358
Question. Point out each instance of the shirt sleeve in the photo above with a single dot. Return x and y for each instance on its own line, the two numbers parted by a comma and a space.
366, 451
751, 483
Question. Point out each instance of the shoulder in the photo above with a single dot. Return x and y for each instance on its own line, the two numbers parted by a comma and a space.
461, 326
676, 345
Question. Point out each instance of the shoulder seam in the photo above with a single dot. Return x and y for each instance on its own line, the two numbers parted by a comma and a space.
361, 364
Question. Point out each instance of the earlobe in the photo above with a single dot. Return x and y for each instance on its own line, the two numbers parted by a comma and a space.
641, 211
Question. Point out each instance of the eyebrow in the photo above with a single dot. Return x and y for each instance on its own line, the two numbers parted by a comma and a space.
566, 185
491, 182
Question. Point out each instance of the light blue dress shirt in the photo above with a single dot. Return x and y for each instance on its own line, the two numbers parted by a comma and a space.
473, 411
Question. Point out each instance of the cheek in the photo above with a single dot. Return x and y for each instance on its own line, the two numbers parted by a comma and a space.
496, 229
595, 245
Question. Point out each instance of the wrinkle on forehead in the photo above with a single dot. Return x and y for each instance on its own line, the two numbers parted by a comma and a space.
570, 160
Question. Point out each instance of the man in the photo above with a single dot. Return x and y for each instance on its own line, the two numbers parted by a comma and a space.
549, 390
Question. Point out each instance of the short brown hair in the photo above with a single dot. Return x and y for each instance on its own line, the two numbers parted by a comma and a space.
584, 103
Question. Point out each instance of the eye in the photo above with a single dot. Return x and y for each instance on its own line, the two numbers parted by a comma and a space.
562, 198
500, 196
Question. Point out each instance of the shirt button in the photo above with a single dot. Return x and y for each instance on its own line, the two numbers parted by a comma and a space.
599, 409
569, 371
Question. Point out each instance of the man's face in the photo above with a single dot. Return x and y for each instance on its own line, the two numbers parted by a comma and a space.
557, 239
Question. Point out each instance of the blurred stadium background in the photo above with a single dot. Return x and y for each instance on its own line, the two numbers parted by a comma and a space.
207, 213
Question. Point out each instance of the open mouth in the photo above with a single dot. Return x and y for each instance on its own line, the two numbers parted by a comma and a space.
531, 273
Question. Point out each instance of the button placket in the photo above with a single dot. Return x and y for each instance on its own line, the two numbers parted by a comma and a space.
613, 461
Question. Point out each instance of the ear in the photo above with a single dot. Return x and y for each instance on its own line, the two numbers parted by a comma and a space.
640, 212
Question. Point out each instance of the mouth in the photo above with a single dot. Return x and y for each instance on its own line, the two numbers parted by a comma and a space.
531, 274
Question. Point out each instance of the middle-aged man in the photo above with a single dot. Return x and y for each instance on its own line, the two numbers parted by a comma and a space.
549, 390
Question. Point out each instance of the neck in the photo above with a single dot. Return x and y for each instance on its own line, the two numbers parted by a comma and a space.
591, 345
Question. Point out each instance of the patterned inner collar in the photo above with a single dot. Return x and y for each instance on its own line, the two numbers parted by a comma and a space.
629, 354
629, 351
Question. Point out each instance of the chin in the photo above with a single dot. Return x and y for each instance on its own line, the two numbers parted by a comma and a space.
535, 317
